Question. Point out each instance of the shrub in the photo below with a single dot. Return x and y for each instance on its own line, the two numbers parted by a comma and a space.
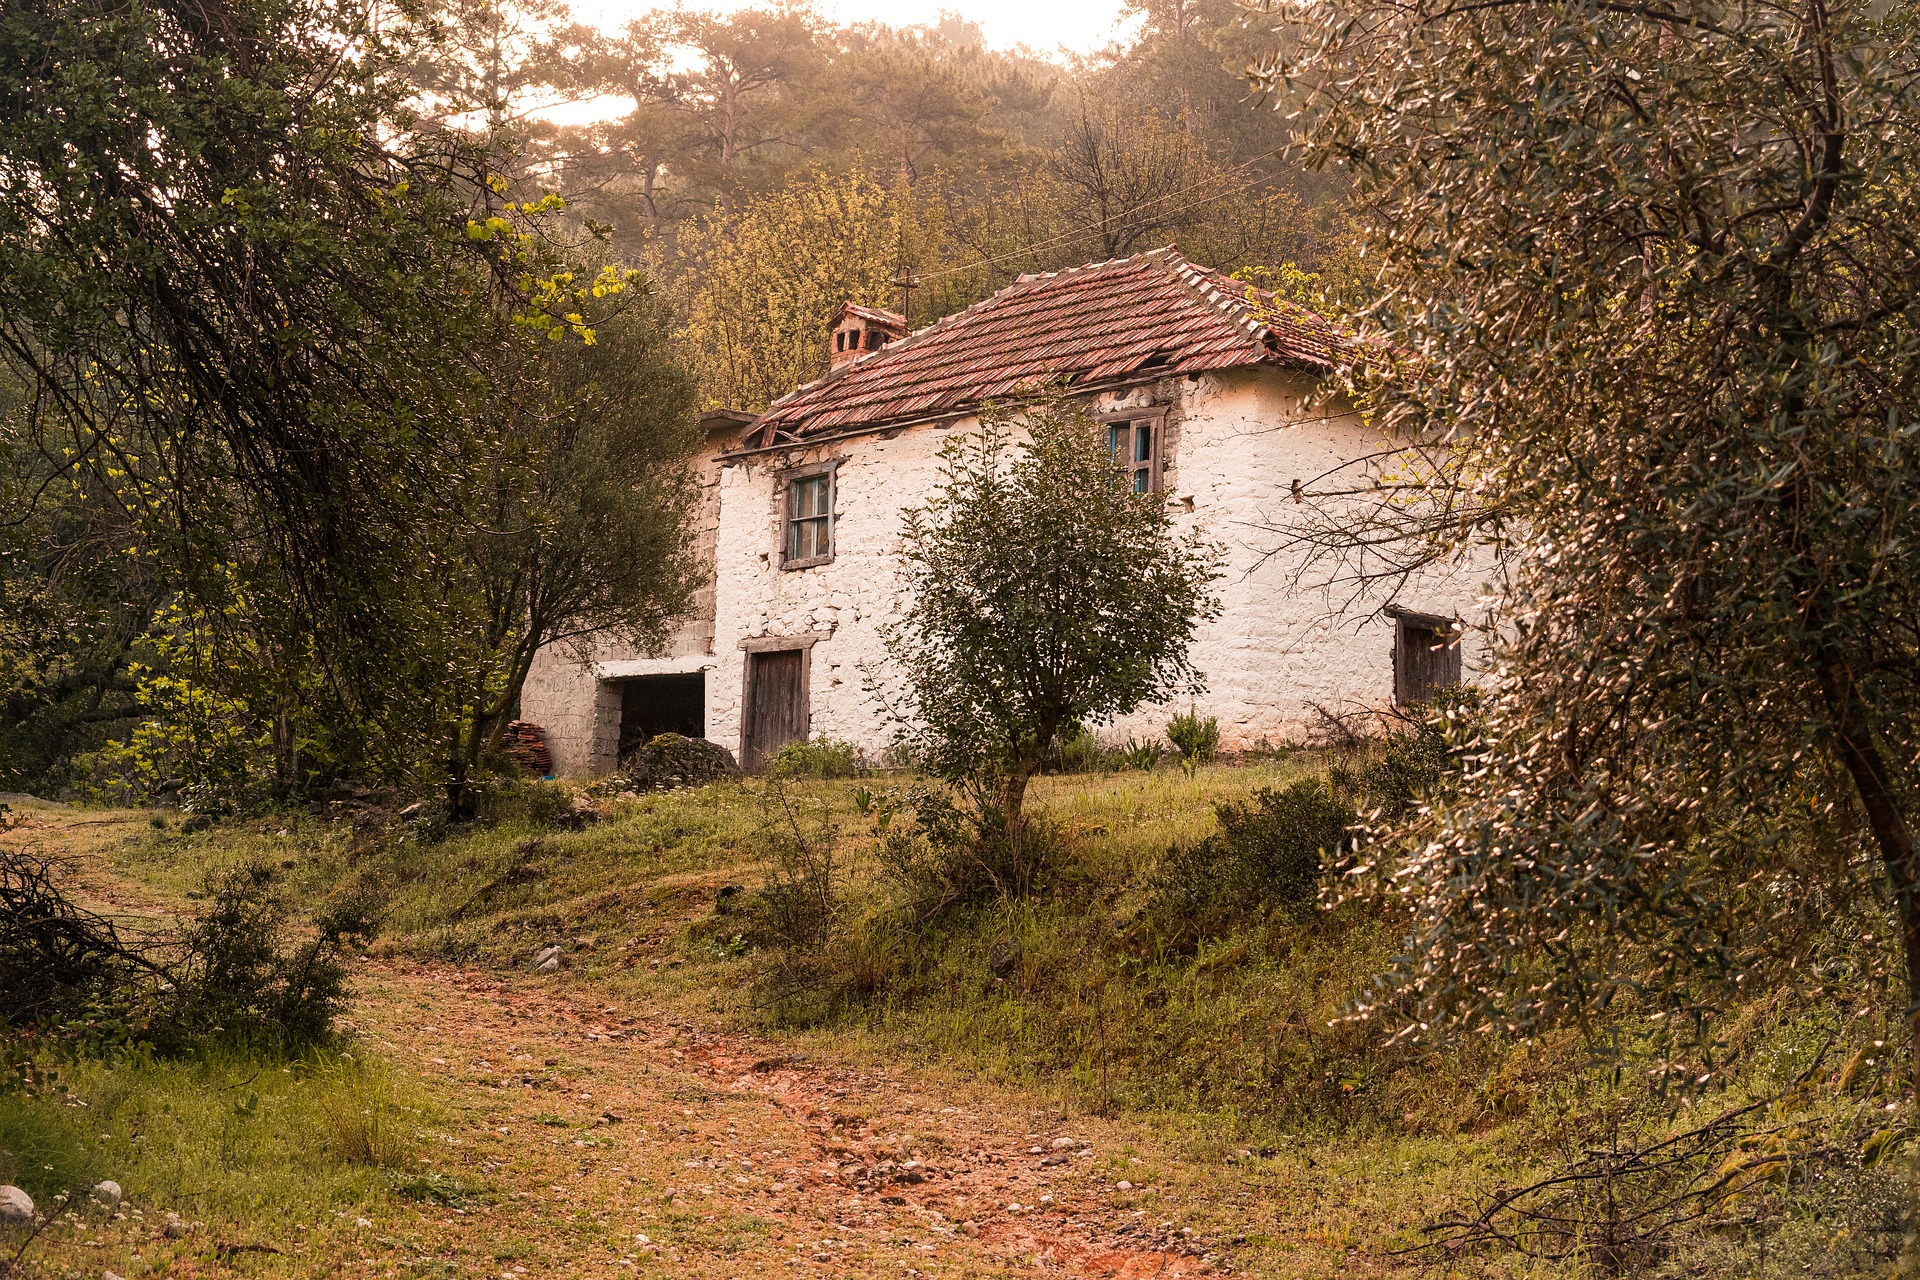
819, 758
1268, 853
1417, 761
938, 855
1077, 750
1198, 739
793, 912
239, 975
232, 969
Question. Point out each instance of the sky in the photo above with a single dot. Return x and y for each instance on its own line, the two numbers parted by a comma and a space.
1044, 26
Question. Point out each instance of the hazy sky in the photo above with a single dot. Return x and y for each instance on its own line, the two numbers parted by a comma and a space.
1081, 26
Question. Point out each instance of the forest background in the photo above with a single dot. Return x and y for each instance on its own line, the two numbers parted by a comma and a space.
554, 302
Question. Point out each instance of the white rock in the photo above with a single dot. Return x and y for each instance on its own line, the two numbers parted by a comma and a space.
1123, 1186
16, 1208
107, 1192
547, 960
1062, 1144
176, 1227
108, 1275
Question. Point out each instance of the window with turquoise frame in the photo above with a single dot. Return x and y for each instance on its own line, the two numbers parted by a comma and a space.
1136, 448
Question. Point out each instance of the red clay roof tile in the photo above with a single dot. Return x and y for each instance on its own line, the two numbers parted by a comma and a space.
1153, 312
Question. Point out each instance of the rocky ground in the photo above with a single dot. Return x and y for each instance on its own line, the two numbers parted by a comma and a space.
620, 1139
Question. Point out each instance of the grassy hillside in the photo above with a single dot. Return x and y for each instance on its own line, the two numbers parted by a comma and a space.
1287, 1139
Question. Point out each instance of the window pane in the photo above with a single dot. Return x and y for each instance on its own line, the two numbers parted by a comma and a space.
1142, 482
810, 497
1143, 443
1117, 438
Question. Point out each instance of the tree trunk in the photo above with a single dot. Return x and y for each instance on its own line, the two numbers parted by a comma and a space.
1853, 737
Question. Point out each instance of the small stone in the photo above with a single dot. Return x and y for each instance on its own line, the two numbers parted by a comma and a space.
1123, 1186
16, 1207
107, 1193
1062, 1144
547, 960
176, 1228
1035, 1151
363, 1222
108, 1275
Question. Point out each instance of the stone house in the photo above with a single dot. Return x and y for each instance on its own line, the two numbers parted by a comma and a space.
1206, 394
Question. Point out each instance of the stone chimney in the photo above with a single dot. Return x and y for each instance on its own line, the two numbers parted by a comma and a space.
859, 331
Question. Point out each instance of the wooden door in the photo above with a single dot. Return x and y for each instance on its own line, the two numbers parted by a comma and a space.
776, 705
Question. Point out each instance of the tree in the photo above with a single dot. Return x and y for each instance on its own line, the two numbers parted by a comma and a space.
240, 290
763, 282
586, 519
1653, 273
1039, 593
314, 368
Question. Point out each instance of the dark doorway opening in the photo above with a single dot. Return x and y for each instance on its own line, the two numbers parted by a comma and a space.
653, 705
776, 705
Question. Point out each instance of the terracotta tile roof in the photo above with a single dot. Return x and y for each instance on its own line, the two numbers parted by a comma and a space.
1155, 314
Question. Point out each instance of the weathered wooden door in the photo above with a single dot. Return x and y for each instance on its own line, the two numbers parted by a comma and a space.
776, 705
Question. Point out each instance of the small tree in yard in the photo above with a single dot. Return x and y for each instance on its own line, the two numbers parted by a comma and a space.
1041, 592
1656, 268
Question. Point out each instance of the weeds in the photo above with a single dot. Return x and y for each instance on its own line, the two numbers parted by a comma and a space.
1198, 739
1144, 756
816, 758
232, 970
937, 855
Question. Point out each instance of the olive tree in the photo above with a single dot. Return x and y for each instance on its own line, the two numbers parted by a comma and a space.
1649, 322
1040, 592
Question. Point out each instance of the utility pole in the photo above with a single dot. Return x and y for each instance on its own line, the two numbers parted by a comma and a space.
906, 282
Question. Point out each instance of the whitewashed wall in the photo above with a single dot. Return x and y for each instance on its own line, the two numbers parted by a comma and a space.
564, 693
1235, 444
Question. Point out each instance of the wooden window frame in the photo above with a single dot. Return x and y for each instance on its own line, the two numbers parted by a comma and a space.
1156, 466
789, 480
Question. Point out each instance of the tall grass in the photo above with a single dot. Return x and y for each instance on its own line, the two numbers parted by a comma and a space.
221, 1135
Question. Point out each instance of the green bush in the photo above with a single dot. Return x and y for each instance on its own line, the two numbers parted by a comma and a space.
1418, 760
1198, 739
241, 976
1144, 756
819, 758
1269, 852
938, 855
1077, 750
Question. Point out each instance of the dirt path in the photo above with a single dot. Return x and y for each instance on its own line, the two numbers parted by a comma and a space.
618, 1140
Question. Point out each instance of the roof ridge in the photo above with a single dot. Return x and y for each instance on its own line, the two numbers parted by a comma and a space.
1205, 282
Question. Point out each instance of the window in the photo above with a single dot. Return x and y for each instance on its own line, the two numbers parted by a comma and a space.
809, 538
1426, 655
1136, 447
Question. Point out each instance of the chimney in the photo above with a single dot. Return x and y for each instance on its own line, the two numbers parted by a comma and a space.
858, 331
